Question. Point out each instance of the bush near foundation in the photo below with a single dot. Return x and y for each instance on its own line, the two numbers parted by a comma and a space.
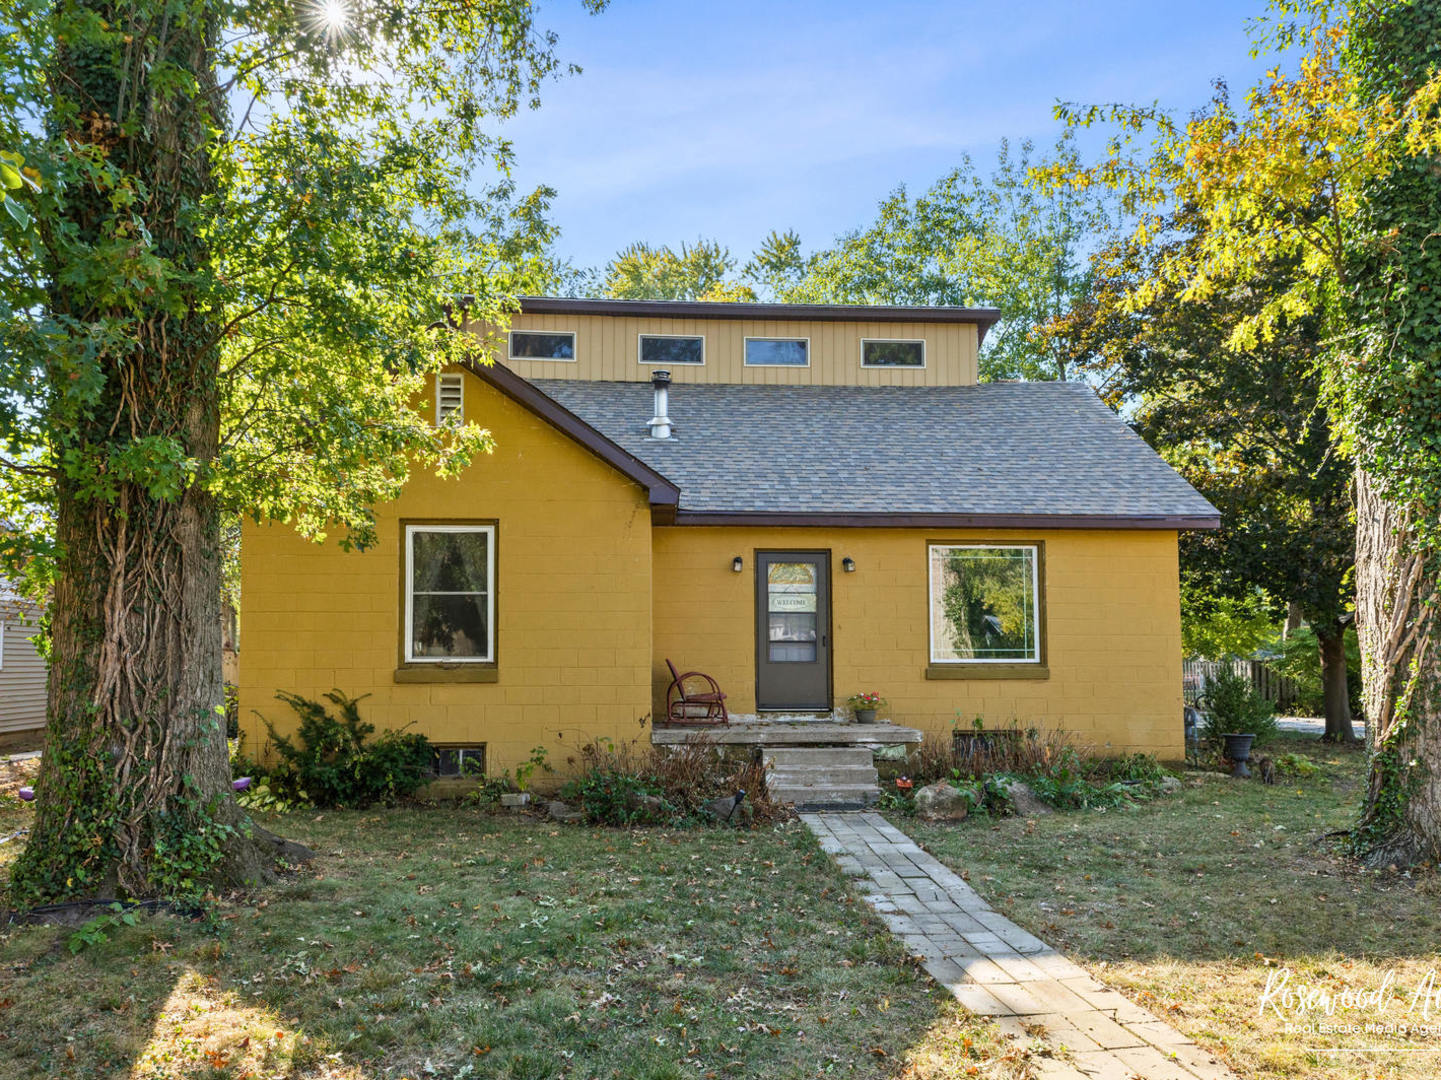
986, 764
635, 783
333, 761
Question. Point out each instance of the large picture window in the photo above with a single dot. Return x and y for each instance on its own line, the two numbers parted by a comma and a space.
449, 594
985, 604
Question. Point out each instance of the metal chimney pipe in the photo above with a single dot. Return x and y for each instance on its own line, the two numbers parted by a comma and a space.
660, 423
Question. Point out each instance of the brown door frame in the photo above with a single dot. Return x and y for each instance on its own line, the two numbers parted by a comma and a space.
822, 555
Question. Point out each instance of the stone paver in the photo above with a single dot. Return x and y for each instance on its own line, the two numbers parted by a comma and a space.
993, 967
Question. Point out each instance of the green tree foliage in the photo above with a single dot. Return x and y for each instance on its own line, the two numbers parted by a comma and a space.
699, 271
973, 240
1389, 393
777, 264
1215, 624
1328, 167
234, 225
1244, 423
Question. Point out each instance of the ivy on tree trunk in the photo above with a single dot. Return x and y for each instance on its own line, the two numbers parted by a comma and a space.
227, 233
1396, 613
136, 775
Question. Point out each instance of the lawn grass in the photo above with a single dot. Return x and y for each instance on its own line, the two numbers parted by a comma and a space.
439, 941
1188, 904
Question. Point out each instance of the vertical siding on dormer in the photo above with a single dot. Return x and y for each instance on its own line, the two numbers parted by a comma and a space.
607, 350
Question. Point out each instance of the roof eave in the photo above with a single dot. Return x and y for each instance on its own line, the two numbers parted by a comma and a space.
662, 494
1167, 522
710, 309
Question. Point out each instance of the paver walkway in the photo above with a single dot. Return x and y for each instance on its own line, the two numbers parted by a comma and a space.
995, 968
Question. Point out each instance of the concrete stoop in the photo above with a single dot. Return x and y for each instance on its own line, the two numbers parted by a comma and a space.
822, 777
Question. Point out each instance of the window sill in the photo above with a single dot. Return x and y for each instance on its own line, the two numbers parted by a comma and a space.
447, 673
988, 671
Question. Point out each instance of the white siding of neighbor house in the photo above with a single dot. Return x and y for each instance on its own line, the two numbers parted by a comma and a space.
22, 671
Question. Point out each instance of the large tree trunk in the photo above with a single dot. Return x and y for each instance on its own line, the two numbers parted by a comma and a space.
1334, 687
1401, 676
133, 796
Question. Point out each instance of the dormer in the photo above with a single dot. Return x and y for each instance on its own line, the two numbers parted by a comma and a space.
738, 343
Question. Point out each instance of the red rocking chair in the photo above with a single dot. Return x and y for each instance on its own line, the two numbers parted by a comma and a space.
695, 706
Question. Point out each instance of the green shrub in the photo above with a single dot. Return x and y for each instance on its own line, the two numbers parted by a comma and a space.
1066, 785
986, 795
1135, 768
333, 761
1296, 765
1231, 704
619, 798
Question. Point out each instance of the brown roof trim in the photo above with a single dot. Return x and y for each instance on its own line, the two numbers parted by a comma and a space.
944, 521
663, 494
710, 309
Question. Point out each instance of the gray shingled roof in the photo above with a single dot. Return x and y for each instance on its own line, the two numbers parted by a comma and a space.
1049, 449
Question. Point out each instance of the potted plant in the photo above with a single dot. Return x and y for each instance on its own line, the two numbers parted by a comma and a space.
904, 784
865, 705
1237, 749
1237, 718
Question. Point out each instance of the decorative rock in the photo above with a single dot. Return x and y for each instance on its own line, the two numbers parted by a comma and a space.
560, 811
727, 808
1025, 802
941, 802
1169, 785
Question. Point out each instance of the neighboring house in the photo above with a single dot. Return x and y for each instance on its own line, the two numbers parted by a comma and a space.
22, 672
820, 501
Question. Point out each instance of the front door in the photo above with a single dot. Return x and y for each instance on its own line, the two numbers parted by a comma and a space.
793, 630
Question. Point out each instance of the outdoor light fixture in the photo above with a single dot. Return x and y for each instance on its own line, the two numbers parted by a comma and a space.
738, 564
848, 564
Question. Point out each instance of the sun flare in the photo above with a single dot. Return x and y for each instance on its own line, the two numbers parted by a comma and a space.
329, 17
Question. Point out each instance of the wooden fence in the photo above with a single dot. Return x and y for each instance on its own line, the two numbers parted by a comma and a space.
1275, 688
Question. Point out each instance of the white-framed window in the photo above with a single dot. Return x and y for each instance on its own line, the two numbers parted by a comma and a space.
449, 594
543, 345
777, 352
449, 397
893, 353
671, 350
985, 604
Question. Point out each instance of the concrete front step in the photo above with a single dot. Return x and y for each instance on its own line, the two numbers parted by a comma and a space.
826, 797
782, 757
821, 777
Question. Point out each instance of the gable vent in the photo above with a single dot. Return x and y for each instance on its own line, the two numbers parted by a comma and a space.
450, 398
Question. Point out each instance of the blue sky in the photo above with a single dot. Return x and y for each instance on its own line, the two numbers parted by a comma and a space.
725, 120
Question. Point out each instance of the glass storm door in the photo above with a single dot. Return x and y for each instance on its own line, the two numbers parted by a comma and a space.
793, 630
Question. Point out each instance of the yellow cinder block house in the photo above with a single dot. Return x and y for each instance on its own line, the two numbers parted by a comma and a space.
804, 502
